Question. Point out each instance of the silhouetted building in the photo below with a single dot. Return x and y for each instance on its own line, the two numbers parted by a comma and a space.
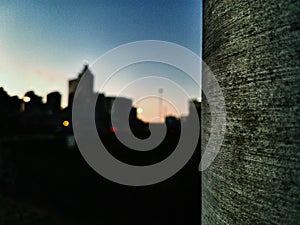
118, 109
9, 104
133, 114
124, 114
89, 84
109, 101
196, 105
32, 102
100, 114
9, 112
134, 122
53, 104
172, 122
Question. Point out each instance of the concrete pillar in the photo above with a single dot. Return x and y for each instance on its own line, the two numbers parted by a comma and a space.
253, 48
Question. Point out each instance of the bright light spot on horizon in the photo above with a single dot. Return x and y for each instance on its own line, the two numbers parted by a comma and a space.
26, 99
66, 123
139, 110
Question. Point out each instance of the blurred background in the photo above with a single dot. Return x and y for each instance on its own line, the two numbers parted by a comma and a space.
45, 49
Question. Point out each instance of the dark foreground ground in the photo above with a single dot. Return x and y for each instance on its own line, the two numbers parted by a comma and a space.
42, 181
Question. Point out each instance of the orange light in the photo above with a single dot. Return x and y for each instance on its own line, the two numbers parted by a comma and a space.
66, 123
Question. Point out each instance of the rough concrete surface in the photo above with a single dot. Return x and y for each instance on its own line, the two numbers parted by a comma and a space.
253, 48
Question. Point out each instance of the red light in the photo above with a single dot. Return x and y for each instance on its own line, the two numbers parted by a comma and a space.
113, 129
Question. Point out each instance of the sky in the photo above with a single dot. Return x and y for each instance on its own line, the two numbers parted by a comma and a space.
45, 43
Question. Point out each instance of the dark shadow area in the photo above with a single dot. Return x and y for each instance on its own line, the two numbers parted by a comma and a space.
45, 180
45, 174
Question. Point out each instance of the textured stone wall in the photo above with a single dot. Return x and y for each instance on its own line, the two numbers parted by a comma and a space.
253, 48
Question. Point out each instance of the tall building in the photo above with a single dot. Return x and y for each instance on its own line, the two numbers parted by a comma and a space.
100, 114
253, 49
53, 104
89, 84
120, 112
197, 105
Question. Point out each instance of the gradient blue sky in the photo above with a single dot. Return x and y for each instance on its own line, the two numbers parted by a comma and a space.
44, 43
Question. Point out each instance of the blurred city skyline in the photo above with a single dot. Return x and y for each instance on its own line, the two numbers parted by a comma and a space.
44, 44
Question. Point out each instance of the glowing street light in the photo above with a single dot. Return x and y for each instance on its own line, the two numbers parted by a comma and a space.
66, 123
26, 99
139, 110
